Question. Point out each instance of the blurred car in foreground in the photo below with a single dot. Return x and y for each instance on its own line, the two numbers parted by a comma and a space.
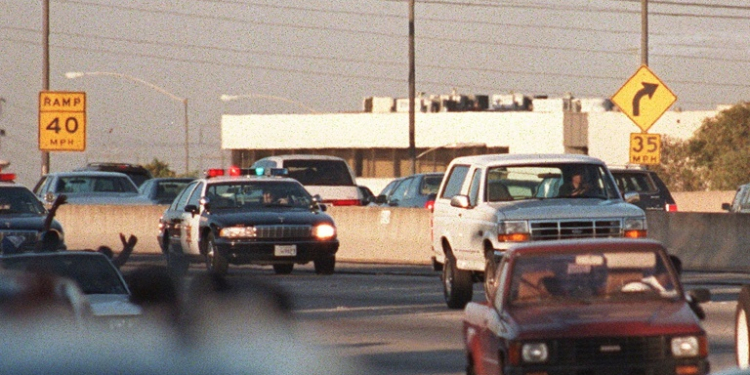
89, 188
596, 306
23, 217
417, 190
256, 218
137, 173
163, 190
653, 193
97, 277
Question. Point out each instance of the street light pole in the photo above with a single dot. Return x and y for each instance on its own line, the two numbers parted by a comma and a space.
74, 75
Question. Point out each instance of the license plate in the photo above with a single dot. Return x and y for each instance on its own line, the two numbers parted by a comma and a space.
285, 250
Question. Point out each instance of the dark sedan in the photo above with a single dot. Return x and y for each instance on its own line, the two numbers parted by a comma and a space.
249, 219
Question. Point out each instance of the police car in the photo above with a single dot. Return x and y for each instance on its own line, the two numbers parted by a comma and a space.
247, 216
23, 220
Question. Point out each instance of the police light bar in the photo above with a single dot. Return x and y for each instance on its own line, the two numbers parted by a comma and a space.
214, 173
7, 177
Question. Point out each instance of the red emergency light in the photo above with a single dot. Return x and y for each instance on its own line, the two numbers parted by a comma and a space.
7, 177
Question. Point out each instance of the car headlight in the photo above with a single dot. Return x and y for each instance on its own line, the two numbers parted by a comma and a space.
237, 232
635, 227
535, 352
513, 231
324, 231
688, 346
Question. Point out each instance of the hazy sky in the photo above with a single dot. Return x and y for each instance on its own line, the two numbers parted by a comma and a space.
330, 55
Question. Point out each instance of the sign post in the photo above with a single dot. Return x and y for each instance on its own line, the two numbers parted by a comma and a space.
644, 99
62, 121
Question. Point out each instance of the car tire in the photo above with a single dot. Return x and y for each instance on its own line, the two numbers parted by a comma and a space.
490, 273
325, 265
215, 262
283, 269
457, 284
742, 328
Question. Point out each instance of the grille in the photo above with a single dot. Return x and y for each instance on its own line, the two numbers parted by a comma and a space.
30, 238
283, 231
613, 350
555, 230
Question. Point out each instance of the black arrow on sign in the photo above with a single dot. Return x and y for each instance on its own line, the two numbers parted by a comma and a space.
648, 89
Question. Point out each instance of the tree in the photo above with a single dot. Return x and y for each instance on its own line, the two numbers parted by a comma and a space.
159, 168
715, 158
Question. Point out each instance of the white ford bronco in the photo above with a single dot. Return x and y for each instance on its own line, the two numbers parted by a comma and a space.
487, 202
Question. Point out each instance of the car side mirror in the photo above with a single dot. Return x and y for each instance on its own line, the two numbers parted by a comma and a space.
316, 203
49, 197
380, 199
632, 197
193, 209
460, 201
700, 295
726, 206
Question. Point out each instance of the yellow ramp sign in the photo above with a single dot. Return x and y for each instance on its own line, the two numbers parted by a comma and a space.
62, 121
644, 98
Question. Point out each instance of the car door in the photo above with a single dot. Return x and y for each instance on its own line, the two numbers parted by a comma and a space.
176, 215
191, 221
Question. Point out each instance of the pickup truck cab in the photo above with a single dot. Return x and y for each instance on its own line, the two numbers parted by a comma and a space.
488, 202
587, 306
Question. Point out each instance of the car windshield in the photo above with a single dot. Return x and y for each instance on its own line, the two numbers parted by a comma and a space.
549, 181
590, 277
319, 172
19, 200
167, 189
94, 184
255, 194
94, 274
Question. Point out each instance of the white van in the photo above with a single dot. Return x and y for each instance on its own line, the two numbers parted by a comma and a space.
328, 176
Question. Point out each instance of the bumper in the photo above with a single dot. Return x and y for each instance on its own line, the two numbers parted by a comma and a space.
667, 367
265, 252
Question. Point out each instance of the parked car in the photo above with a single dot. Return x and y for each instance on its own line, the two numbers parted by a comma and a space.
137, 173
163, 190
488, 202
417, 190
24, 219
653, 193
741, 201
89, 187
101, 282
593, 306
261, 218
328, 176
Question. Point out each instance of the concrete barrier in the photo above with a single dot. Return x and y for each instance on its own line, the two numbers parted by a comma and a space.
704, 240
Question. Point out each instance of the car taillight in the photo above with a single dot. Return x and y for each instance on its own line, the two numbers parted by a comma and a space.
430, 205
345, 202
7, 177
670, 207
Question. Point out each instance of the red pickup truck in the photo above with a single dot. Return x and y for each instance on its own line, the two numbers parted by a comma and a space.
592, 306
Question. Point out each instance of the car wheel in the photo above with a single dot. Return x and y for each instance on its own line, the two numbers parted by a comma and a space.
742, 327
283, 269
457, 284
490, 274
325, 265
215, 262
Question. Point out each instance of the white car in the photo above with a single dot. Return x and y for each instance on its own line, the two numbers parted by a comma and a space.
329, 177
487, 202
101, 282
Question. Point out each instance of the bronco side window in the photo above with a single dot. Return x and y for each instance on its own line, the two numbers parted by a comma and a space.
455, 181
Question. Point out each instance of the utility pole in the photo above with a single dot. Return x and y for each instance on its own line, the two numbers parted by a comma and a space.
412, 91
45, 70
644, 32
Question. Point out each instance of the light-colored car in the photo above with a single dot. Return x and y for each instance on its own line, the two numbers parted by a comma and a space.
329, 177
487, 202
101, 282
741, 201
89, 187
